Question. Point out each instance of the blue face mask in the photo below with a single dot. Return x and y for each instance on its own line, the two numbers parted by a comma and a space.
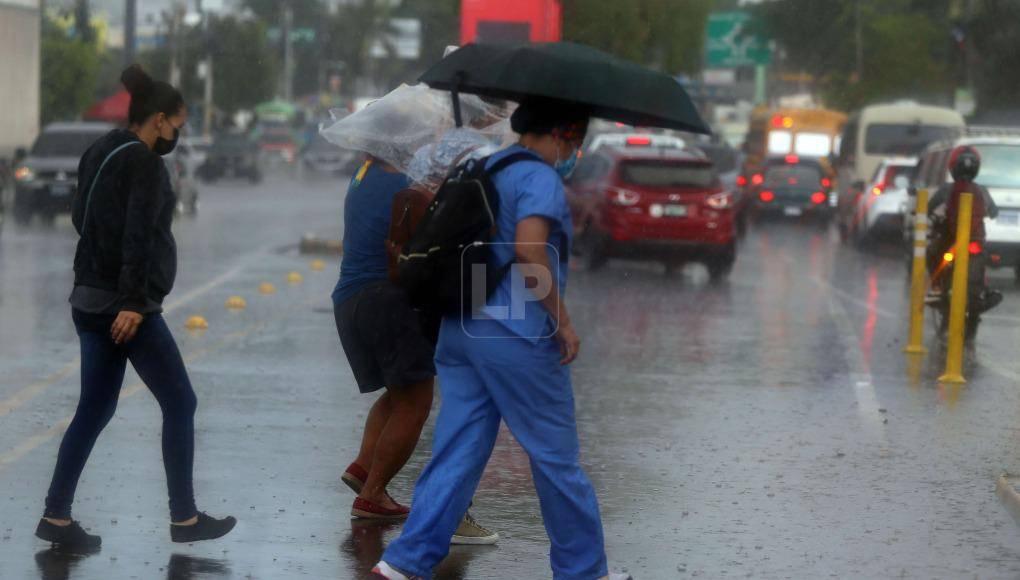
566, 167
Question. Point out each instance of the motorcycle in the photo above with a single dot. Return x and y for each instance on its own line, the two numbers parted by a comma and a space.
980, 298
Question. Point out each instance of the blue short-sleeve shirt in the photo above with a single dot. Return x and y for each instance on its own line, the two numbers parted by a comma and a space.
366, 227
526, 189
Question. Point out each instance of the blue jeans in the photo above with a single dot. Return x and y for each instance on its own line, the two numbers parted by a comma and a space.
155, 357
483, 381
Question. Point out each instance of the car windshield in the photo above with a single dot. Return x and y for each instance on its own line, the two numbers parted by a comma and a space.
320, 145
894, 171
1000, 166
276, 138
901, 139
667, 174
799, 175
231, 143
813, 145
64, 143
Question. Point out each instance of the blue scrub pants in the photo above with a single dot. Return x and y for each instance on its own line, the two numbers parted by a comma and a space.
482, 381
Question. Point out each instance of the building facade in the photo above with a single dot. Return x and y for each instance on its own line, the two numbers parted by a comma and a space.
20, 71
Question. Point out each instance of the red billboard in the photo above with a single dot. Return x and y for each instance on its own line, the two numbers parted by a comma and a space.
510, 21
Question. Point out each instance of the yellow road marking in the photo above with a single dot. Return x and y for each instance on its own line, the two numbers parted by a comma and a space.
28, 393
34, 441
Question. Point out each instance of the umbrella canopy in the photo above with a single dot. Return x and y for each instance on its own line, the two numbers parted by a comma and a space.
612, 88
113, 109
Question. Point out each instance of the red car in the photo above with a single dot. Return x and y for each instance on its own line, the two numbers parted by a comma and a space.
652, 203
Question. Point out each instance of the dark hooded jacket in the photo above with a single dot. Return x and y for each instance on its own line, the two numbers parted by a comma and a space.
126, 245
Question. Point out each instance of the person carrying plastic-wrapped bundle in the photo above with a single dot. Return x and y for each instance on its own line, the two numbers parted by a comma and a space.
389, 344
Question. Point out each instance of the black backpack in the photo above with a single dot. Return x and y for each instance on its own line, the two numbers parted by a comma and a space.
435, 265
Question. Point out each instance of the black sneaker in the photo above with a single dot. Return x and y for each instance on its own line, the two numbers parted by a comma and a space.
207, 528
70, 537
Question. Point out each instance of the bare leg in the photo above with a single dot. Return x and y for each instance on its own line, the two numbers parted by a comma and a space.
410, 407
377, 418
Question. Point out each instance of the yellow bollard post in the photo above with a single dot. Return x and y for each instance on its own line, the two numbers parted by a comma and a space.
958, 300
918, 277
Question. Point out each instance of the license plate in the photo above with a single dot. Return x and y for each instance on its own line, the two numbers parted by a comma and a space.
675, 211
792, 211
60, 190
1008, 218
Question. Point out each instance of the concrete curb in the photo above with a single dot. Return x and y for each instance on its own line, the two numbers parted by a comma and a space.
1009, 495
314, 245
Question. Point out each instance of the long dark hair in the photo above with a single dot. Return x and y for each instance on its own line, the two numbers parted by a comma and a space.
149, 96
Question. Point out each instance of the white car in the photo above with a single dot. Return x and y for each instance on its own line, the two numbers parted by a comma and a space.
883, 203
1000, 174
635, 140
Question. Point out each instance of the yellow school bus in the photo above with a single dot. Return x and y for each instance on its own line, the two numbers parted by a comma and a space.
805, 133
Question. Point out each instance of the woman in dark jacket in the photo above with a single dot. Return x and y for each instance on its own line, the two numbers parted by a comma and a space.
123, 268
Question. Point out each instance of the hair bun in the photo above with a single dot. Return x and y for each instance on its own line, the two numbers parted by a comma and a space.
136, 81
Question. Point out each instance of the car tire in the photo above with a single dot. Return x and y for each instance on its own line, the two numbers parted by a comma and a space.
22, 215
596, 250
719, 268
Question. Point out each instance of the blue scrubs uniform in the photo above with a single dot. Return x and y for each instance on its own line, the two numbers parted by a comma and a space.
508, 368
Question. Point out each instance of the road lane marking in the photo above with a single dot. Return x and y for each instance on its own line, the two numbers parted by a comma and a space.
34, 441
29, 392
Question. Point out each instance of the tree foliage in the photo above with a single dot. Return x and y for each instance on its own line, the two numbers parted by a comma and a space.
996, 76
245, 69
904, 49
668, 34
69, 68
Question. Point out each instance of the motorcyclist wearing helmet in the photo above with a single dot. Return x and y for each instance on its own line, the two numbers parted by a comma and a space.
943, 211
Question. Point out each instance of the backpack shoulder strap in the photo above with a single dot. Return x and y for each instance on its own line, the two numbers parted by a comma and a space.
95, 179
510, 160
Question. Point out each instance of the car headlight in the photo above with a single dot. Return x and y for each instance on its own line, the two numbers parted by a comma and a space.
24, 174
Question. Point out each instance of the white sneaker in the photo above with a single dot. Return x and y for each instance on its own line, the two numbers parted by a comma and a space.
470, 533
616, 576
384, 570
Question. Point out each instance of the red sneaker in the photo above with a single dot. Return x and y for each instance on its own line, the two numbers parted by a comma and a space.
355, 477
365, 509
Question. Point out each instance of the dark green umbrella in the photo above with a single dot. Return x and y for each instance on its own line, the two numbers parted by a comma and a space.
610, 87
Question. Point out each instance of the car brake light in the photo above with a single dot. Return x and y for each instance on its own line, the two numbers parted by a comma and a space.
757, 179
766, 196
741, 181
826, 182
722, 200
974, 248
624, 197
639, 141
818, 198
792, 159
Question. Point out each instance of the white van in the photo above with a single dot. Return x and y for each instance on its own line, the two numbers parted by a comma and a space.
878, 132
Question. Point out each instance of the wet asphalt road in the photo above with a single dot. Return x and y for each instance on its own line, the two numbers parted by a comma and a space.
766, 428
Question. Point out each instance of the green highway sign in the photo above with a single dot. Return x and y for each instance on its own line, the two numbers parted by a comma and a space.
296, 34
732, 40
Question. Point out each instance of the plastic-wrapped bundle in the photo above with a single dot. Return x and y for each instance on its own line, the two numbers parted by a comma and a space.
412, 129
